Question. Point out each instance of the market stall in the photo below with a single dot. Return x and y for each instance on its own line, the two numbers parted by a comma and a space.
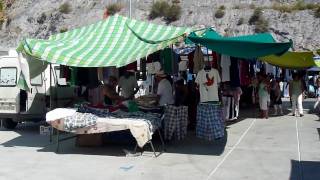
235, 59
293, 60
114, 42
119, 42
88, 120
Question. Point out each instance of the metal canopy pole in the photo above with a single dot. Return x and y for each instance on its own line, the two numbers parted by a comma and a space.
130, 8
50, 103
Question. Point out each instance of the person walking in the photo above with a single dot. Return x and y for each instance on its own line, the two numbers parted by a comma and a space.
277, 102
264, 96
296, 90
318, 95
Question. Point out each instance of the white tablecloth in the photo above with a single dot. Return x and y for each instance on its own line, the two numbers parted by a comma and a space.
139, 128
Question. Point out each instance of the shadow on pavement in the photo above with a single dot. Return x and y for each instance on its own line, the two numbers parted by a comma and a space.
115, 144
196, 146
122, 146
27, 136
305, 170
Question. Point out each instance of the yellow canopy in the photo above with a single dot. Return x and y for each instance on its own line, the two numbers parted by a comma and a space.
292, 60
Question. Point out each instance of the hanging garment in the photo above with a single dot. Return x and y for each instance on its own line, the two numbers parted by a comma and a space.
198, 60
286, 89
183, 66
208, 84
74, 76
167, 59
214, 62
288, 76
225, 66
176, 60
175, 122
100, 74
210, 125
244, 73
191, 63
269, 69
252, 69
234, 73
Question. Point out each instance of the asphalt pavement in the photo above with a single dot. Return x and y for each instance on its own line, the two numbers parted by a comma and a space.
282, 147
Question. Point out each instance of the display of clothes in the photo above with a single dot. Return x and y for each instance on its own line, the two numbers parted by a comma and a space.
175, 122
244, 73
234, 72
100, 74
210, 125
214, 61
208, 81
190, 61
269, 69
252, 69
286, 89
183, 66
169, 60
225, 68
198, 60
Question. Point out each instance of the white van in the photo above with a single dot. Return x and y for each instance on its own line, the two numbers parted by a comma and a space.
17, 105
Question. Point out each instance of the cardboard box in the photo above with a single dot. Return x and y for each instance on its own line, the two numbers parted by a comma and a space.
89, 140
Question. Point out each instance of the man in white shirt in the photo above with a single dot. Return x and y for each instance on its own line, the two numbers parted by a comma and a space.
128, 85
164, 92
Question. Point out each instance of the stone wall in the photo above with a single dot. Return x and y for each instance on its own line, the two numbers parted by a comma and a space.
41, 18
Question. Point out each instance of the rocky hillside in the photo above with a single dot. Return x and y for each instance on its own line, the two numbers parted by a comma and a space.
41, 18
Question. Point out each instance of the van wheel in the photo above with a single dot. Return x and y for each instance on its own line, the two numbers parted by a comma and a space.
9, 123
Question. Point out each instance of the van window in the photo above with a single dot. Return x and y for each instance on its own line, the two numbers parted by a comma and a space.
37, 81
61, 81
8, 76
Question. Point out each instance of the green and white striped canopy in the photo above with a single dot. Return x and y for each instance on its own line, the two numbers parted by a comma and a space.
116, 41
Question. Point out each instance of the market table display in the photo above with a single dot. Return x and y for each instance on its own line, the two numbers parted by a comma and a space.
88, 120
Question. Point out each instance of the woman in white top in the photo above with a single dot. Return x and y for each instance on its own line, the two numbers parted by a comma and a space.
164, 91
296, 90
